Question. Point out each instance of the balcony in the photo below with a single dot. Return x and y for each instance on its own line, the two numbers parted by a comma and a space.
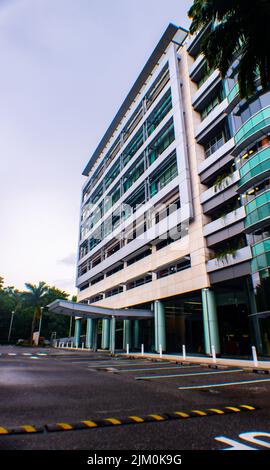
255, 170
240, 256
196, 67
256, 126
226, 227
224, 222
261, 256
220, 188
209, 123
206, 88
216, 161
219, 194
258, 212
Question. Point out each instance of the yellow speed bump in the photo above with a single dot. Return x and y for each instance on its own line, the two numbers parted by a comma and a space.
134, 419
4, 431
215, 410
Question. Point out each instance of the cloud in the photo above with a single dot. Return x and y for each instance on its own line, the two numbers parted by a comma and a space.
69, 260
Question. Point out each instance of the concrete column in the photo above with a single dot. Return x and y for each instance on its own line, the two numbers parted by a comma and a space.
127, 334
95, 335
89, 333
105, 341
77, 333
210, 322
112, 336
136, 334
160, 326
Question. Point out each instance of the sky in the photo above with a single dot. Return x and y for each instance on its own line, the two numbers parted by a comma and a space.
65, 68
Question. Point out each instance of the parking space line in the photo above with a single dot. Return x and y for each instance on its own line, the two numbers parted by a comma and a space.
156, 368
192, 374
127, 364
225, 384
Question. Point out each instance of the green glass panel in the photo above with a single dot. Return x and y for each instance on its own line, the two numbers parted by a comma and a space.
256, 122
258, 201
234, 91
261, 247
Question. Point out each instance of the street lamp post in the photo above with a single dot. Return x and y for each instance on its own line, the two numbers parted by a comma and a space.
10, 325
40, 320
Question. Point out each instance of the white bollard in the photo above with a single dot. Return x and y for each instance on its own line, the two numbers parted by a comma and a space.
142, 349
82, 345
72, 344
214, 354
160, 350
127, 348
184, 351
254, 355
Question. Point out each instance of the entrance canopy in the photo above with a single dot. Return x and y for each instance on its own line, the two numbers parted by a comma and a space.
64, 307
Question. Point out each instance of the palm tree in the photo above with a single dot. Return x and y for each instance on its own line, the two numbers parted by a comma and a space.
235, 29
35, 297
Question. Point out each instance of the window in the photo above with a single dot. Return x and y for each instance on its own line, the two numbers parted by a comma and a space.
114, 270
115, 291
212, 103
133, 147
182, 264
216, 142
96, 298
164, 177
112, 198
135, 200
112, 174
139, 282
161, 142
159, 113
133, 174
133, 122
157, 86
96, 280
140, 256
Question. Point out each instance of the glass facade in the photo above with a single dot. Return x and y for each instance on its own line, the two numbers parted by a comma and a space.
255, 123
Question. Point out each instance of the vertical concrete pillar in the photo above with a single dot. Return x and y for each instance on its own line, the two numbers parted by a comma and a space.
77, 333
127, 334
95, 335
89, 333
112, 336
105, 340
210, 322
136, 334
160, 326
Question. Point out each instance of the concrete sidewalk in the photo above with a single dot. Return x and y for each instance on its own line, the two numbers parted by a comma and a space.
200, 360
244, 364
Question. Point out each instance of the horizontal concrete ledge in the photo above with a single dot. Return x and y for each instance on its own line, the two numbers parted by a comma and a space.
247, 364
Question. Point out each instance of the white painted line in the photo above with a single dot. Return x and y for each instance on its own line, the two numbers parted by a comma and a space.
226, 384
12, 354
27, 354
115, 364
150, 377
156, 368
42, 354
34, 357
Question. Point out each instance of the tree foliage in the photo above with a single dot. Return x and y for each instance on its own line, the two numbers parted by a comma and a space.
27, 306
235, 29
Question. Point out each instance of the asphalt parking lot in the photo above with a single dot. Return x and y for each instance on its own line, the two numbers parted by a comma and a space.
135, 404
